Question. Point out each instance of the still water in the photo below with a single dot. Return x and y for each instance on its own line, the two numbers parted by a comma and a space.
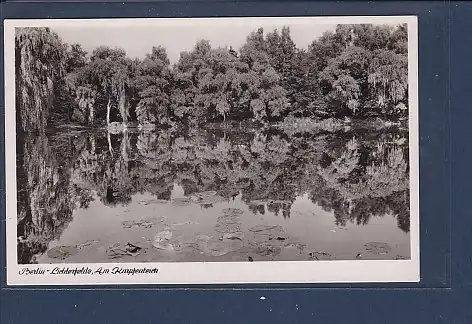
212, 195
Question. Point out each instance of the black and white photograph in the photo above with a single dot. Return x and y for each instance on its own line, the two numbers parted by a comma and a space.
229, 149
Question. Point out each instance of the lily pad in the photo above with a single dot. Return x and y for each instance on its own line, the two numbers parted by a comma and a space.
320, 255
133, 248
271, 230
228, 227
267, 250
212, 246
155, 219
377, 247
165, 245
233, 236
163, 235
86, 243
162, 240
228, 223
62, 252
400, 257
129, 224
117, 250
145, 222
185, 223
299, 246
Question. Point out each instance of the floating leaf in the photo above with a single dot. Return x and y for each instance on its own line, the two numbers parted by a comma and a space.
212, 246
377, 247
271, 230
228, 223
162, 240
299, 246
163, 245
400, 257
86, 243
129, 224
233, 236
228, 227
320, 255
267, 250
132, 248
117, 250
62, 252
145, 222
186, 223
163, 235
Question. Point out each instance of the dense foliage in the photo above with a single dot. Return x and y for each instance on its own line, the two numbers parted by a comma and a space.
356, 71
40, 60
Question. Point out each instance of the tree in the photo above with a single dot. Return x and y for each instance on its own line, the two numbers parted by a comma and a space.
261, 85
344, 79
388, 80
367, 75
39, 66
153, 84
76, 58
108, 76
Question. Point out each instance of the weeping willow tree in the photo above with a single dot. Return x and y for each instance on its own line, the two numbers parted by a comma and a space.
39, 65
118, 93
108, 72
388, 79
102, 87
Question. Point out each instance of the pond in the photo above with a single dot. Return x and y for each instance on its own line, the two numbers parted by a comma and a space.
235, 194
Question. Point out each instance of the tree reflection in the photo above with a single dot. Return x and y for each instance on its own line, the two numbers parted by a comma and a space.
45, 201
355, 176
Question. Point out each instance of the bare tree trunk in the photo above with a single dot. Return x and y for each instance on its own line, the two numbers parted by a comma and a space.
125, 146
93, 143
91, 114
110, 148
108, 111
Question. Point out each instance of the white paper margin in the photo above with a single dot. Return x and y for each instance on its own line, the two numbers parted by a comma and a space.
367, 271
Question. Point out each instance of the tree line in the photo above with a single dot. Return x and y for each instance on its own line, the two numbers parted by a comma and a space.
357, 71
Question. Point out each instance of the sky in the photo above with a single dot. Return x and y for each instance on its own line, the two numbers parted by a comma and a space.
180, 36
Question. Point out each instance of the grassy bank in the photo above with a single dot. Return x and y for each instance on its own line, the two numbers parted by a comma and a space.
293, 126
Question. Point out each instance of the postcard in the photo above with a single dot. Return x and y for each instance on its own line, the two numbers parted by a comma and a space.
212, 150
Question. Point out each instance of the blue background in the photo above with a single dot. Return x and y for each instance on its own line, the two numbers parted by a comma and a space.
444, 293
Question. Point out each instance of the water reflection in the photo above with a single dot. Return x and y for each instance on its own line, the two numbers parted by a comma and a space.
354, 176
